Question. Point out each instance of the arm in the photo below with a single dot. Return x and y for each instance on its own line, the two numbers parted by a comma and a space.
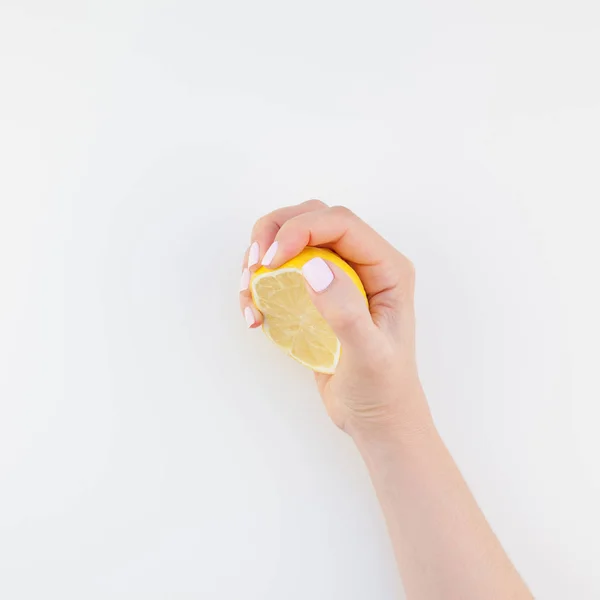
444, 547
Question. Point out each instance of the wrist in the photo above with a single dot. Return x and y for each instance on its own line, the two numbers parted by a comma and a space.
398, 448
402, 435
408, 424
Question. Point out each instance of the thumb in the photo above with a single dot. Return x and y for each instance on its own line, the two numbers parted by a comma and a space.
340, 302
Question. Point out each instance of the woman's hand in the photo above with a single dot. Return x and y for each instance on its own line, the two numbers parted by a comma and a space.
443, 544
375, 389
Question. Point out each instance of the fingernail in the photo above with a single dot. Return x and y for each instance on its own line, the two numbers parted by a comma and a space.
270, 254
245, 280
249, 316
253, 254
318, 274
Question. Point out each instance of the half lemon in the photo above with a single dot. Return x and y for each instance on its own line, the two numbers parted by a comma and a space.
290, 318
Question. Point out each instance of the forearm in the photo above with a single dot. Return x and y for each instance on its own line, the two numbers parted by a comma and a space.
443, 544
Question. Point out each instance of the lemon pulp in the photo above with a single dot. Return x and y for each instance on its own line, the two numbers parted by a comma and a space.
290, 318
293, 322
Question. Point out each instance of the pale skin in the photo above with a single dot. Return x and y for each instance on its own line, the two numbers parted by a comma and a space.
444, 547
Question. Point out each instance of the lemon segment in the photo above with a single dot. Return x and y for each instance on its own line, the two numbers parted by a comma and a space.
290, 318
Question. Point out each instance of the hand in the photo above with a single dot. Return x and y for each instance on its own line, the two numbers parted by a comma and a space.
443, 545
376, 387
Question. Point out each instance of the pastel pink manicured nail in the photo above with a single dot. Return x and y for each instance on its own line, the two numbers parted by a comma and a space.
270, 254
245, 280
253, 254
318, 274
249, 316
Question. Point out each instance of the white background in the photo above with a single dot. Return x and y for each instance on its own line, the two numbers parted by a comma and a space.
150, 446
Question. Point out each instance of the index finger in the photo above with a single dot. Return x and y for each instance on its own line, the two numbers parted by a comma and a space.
378, 264
266, 228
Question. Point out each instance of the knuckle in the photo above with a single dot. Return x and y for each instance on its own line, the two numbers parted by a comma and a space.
314, 203
409, 269
345, 318
342, 212
409, 273
405, 269
348, 318
341, 318
288, 228
262, 222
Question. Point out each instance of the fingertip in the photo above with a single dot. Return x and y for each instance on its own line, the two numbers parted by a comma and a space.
245, 259
250, 312
253, 255
277, 254
270, 254
252, 315
249, 316
245, 280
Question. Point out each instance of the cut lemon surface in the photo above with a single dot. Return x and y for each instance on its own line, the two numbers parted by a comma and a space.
290, 318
